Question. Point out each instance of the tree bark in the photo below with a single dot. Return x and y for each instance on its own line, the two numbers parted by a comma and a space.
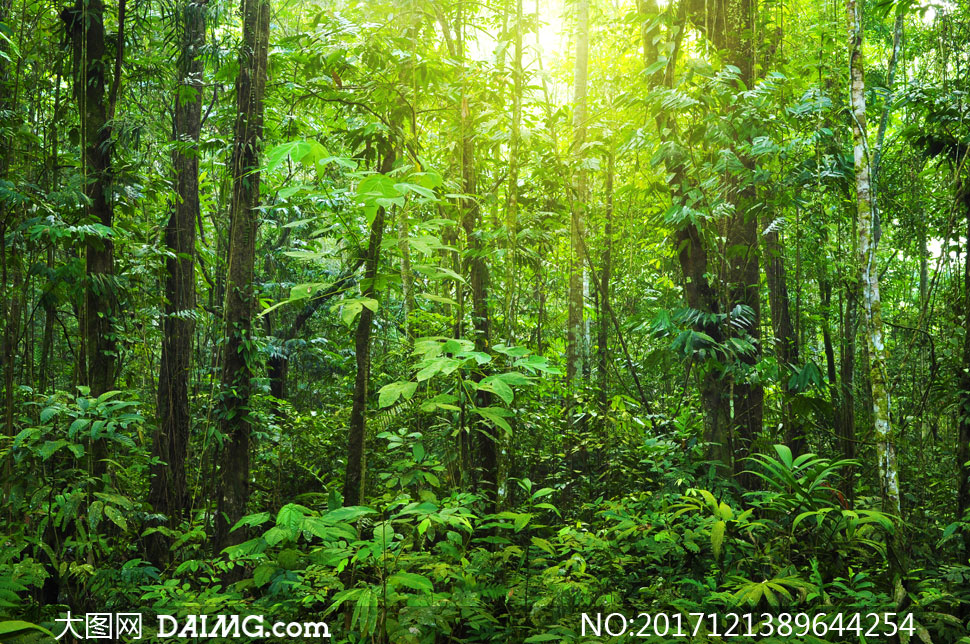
168, 493
871, 303
744, 271
963, 438
786, 343
356, 457
603, 316
239, 353
85, 25
575, 327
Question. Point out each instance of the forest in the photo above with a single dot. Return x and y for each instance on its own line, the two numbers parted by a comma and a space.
462, 321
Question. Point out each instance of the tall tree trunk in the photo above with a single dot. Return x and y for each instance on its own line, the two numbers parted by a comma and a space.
786, 343
356, 458
168, 493
407, 277
486, 441
871, 304
744, 271
603, 315
963, 438
237, 365
575, 331
847, 356
85, 24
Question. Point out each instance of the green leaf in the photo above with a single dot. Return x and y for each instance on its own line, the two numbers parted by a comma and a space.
15, 626
348, 513
544, 637
434, 367
543, 545
410, 580
252, 519
784, 453
411, 187
264, 574
296, 150
115, 516
291, 515
717, 537
498, 387
495, 415
352, 307
390, 393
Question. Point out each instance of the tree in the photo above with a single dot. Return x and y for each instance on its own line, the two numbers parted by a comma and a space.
239, 352
575, 334
869, 278
85, 24
168, 493
353, 490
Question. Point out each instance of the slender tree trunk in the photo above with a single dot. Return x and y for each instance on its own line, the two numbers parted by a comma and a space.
11, 334
603, 316
786, 343
168, 493
486, 442
47, 343
825, 295
356, 456
239, 356
871, 303
575, 328
963, 439
847, 369
407, 278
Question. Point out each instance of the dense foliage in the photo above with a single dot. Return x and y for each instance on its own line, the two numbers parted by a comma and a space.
451, 321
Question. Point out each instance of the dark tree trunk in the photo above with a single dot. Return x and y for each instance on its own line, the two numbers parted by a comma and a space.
85, 24
238, 358
963, 440
168, 493
477, 270
825, 295
693, 259
744, 272
603, 315
786, 343
356, 456
701, 297
847, 377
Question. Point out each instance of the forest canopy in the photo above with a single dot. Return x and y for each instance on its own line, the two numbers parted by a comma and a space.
485, 321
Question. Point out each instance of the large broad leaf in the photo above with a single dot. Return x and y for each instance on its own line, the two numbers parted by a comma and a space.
296, 150
351, 308
390, 393
498, 387
291, 515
